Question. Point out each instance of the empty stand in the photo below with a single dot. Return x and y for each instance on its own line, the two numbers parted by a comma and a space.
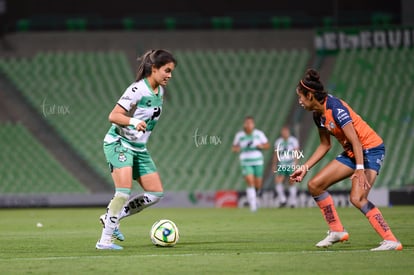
27, 167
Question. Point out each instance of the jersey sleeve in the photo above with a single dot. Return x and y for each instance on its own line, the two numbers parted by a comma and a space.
263, 138
130, 98
295, 142
275, 145
236, 140
340, 114
317, 118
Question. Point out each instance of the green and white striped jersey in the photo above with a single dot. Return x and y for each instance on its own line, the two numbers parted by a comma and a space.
249, 154
142, 103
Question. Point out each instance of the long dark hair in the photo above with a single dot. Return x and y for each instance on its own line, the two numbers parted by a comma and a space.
156, 58
311, 83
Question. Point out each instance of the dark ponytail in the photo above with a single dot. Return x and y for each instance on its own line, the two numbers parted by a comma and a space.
311, 83
156, 58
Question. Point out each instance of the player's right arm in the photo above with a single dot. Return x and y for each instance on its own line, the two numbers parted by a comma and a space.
235, 148
318, 154
120, 113
120, 117
236, 144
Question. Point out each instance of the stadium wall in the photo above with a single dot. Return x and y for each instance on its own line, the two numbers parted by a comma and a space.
209, 199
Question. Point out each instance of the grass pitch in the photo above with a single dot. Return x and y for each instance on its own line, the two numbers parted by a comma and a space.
212, 241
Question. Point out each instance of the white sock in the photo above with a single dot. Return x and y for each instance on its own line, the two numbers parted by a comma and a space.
139, 202
280, 192
292, 194
112, 216
251, 198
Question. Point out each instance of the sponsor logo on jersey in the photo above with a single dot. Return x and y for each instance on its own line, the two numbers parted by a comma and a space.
342, 115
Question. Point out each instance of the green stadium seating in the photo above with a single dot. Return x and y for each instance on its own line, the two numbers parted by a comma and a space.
170, 23
378, 85
281, 22
128, 23
210, 94
222, 22
27, 167
76, 24
23, 25
75, 93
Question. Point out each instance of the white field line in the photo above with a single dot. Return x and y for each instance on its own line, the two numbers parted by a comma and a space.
118, 254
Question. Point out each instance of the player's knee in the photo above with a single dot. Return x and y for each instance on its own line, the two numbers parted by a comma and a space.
357, 200
314, 187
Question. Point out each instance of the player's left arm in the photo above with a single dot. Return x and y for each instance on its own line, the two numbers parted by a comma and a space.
263, 146
352, 137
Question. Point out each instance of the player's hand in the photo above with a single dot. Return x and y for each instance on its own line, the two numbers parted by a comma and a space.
361, 178
298, 174
142, 126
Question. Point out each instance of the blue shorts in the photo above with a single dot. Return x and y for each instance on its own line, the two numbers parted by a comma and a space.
373, 158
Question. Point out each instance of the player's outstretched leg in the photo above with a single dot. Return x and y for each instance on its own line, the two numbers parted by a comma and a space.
139, 202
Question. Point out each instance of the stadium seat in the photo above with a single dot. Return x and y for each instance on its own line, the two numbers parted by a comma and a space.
36, 172
170, 23
76, 24
23, 25
223, 22
128, 23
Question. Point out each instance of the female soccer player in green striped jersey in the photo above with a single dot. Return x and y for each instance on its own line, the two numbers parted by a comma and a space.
133, 118
249, 143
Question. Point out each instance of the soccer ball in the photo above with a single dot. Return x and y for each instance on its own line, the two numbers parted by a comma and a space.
164, 233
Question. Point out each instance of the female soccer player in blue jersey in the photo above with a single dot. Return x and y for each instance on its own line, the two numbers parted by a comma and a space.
133, 118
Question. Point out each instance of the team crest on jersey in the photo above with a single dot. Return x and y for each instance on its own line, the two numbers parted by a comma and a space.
331, 125
122, 157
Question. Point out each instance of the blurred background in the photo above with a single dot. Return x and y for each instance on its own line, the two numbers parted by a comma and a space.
64, 64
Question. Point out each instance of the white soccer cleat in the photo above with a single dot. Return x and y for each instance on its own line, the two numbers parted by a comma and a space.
388, 245
333, 237
107, 246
